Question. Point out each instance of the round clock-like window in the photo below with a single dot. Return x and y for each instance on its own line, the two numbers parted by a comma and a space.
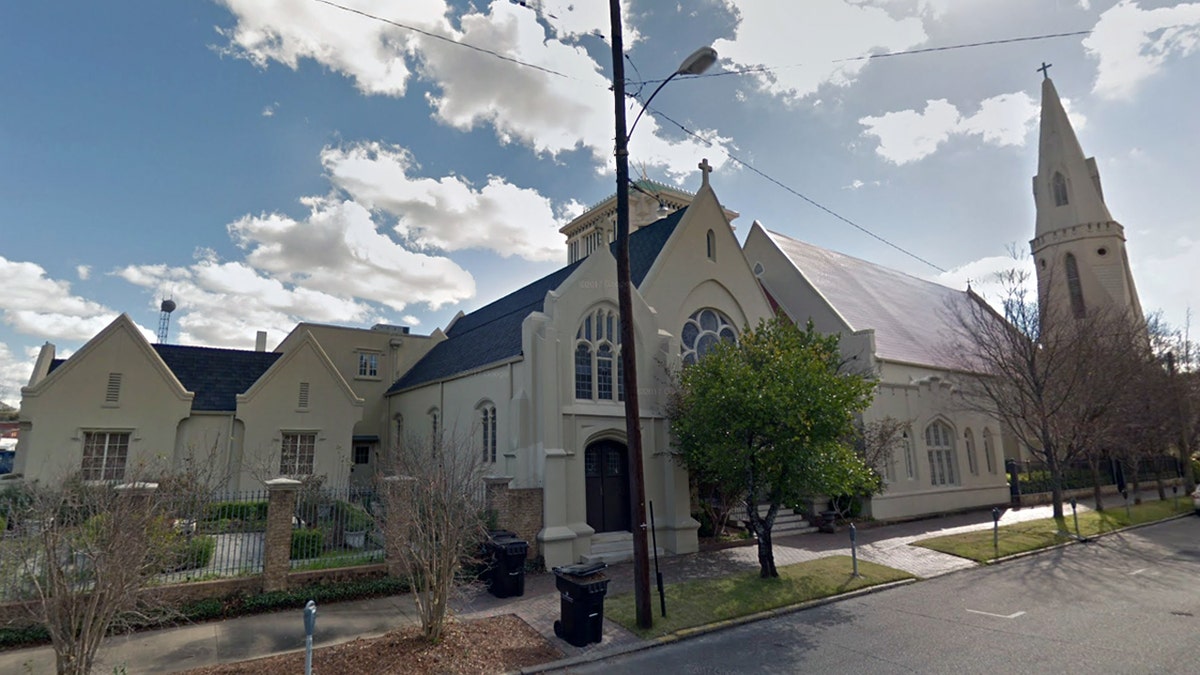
703, 331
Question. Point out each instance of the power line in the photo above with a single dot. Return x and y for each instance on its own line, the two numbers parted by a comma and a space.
795, 192
868, 57
443, 38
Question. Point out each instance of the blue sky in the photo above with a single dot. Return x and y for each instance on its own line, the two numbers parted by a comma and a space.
266, 162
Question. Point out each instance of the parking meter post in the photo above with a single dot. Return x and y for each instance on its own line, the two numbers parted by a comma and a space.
1175, 491
1075, 515
854, 548
1128, 513
310, 625
996, 530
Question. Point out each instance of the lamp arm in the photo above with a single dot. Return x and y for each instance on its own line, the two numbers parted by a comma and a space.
647, 104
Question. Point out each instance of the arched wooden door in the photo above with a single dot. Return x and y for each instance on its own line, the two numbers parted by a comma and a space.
606, 467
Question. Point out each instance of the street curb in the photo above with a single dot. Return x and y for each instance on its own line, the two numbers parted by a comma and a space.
696, 631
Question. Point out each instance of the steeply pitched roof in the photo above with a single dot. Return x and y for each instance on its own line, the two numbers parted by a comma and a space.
912, 318
215, 376
492, 333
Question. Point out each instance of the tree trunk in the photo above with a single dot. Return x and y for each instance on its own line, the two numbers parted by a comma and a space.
1097, 493
1158, 481
766, 556
1056, 483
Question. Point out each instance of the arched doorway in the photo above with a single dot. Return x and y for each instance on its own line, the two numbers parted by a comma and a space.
606, 468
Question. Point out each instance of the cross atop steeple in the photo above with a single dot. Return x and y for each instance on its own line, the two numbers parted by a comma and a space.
705, 169
1044, 70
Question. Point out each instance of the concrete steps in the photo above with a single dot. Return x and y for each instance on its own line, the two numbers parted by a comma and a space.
612, 547
787, 522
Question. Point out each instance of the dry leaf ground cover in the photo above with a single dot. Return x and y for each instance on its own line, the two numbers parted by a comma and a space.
493, 645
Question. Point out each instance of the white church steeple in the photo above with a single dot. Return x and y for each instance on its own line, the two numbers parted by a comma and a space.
1078, 248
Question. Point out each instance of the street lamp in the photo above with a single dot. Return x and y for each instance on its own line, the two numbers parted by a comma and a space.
694, 64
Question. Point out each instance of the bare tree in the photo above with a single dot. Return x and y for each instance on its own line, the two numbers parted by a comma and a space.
433, 519
1053, 379
86, 554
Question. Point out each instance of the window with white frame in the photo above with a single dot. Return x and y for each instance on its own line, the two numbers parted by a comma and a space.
105, 454
910, 457
368, 364
598, 371
989, 452
297, 453
939, 442
972, 460
702, 331
487, 420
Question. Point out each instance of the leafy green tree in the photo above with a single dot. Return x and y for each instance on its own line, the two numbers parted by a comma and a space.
770, 413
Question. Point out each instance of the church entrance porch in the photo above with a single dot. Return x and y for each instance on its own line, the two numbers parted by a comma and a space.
606, 471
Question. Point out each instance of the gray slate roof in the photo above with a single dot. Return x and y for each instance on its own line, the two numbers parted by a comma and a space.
492, 333
215, 376
912, 317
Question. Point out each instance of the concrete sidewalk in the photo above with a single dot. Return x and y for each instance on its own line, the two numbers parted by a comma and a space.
250, 637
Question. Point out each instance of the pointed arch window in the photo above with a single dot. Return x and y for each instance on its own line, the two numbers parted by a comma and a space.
711, 245
910, 457
1074, 288
972, 459
487, 421
939, 442
702, 331
598, 357
989, 452
1059, 183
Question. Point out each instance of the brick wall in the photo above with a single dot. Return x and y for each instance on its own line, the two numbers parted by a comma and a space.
523, 515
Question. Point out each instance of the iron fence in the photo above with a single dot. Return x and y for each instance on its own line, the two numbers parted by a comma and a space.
215, 535
1032, 476
335, 527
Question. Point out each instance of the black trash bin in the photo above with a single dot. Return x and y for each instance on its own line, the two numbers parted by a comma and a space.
508, 554
582, 589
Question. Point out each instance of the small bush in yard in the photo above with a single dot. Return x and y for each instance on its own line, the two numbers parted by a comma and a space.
307, 543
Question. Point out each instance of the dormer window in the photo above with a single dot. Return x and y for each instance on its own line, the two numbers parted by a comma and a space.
1059, 183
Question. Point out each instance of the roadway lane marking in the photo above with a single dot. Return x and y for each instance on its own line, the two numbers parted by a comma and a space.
1136, 572
998, 616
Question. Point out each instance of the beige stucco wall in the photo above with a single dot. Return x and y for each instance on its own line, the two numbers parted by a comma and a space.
271, 407
58, 410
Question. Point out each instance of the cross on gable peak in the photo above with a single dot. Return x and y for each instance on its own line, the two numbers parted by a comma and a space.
1045, 70
705, 169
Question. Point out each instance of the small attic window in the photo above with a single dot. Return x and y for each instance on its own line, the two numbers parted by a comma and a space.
112, 394
759, 269
1060, 189
303, 398
711, 244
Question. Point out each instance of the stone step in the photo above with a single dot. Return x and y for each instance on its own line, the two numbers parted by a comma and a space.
614, 557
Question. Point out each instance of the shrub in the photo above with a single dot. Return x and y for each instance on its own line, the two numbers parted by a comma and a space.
356, 518
194, 553
847, 506
256, 510
307, 542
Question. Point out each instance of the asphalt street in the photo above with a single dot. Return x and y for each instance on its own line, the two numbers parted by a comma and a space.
1126, 603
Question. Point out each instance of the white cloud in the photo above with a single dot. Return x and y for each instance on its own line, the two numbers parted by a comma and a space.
1132, 44
908, 135
410, 320
269, 111
372, 53
14, 374
83, 271
1167, 281
35, 304
446, 213
804, 47
546, 112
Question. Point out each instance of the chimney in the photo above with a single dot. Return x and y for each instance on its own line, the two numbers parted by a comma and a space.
260, 341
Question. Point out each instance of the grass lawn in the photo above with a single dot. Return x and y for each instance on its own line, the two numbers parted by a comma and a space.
705, 601
1037, 534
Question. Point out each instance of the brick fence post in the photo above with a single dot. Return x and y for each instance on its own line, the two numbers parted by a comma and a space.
277, 543
397, 499
496, 497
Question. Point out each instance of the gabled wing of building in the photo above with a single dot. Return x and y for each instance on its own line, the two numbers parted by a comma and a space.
492, 333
